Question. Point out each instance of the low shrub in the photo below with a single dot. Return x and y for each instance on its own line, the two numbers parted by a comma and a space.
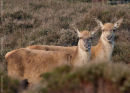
8, 85
67, 79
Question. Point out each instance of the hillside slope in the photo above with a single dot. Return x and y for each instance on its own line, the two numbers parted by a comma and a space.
29, 22
49, 22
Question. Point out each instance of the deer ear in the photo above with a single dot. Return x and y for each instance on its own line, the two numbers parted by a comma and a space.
78, 32
93, 33
99, 22
118, 23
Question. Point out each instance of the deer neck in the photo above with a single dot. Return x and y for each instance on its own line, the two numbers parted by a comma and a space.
107, 41
106, 46
82, 56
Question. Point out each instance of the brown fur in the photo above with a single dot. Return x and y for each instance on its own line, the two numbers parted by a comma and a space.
29, 64
51, 48
101, 52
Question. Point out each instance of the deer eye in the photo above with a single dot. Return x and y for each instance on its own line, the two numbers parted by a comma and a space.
103, 30
90, 38
114, 30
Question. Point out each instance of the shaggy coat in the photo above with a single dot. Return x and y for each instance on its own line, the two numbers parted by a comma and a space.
101, 52
29, 64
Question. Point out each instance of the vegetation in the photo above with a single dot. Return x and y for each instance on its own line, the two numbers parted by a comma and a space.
8, 85
115, 77
24, 23
50, 22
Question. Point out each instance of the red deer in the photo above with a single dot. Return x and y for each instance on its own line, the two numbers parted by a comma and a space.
29, 64
101, 52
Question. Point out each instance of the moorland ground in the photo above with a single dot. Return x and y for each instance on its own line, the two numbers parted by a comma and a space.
24, 23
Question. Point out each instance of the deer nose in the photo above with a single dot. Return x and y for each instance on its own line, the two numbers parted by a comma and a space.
87, 44
110, 37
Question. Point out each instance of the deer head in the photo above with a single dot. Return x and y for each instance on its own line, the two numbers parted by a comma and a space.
85, 38
108, 29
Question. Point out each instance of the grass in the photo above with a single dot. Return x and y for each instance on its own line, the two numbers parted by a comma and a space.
121, 53
67, 80
50, 22
8, 85
110, 77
